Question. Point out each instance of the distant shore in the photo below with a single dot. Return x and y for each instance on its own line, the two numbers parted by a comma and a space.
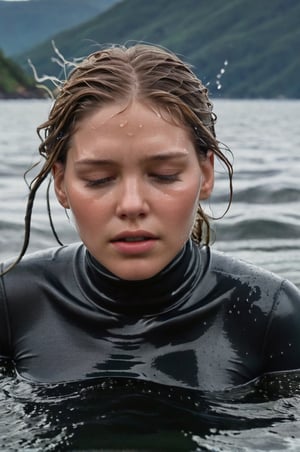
25, 93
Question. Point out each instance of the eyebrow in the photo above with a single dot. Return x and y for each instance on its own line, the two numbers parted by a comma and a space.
156, 157
167, 155
100, 162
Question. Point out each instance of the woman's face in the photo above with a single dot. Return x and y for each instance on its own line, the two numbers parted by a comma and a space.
133, 182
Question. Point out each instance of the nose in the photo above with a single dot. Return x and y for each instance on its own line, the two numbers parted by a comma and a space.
132, 201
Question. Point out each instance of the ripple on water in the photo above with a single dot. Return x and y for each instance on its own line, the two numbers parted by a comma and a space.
121, 414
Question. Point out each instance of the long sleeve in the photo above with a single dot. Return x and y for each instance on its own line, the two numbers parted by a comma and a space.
4, 324
282, 345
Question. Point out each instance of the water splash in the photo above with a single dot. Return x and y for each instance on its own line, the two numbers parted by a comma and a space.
219, 76
62, 62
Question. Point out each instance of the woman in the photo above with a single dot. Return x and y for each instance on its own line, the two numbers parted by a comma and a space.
130, 143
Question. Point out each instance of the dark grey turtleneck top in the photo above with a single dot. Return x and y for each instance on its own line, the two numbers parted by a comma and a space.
206, 321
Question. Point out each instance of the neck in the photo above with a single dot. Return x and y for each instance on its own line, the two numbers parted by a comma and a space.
159, 293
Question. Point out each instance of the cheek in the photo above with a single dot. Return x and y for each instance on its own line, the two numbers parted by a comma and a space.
188, 212
185, 205
81, 204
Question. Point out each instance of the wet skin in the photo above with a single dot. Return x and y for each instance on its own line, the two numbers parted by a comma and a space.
133, 182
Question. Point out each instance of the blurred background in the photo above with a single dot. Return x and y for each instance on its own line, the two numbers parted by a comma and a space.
256, 41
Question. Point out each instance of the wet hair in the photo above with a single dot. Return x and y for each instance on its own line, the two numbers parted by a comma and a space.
141, 72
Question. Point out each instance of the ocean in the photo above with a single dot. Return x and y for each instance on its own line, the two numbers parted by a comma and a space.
262, 226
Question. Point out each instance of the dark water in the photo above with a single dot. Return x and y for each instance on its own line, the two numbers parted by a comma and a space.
126, 415
263, 226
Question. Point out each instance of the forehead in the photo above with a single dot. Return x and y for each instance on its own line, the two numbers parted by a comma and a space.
130, 118
126, 131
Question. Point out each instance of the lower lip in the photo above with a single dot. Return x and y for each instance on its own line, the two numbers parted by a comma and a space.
132, 248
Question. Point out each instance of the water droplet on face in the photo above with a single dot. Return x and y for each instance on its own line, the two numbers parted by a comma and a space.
140, 126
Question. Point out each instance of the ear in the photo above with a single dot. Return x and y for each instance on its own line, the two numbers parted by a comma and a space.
58, 173
208, 175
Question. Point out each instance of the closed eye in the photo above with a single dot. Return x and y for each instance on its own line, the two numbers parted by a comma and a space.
165, 178
99, 182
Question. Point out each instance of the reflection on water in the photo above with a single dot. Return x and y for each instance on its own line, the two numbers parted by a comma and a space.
122, 414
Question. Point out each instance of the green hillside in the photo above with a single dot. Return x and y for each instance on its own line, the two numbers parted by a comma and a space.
258, 38
14, 83
25, 24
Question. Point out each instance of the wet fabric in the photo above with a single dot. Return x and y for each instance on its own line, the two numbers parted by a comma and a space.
206, 322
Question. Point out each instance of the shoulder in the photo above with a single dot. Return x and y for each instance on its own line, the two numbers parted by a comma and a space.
264, 306
241, 270
248, 280
51, 265
43, 259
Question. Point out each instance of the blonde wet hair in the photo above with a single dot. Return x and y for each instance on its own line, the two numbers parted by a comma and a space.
142, 72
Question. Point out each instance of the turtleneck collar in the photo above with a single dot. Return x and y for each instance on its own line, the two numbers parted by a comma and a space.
168, 288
